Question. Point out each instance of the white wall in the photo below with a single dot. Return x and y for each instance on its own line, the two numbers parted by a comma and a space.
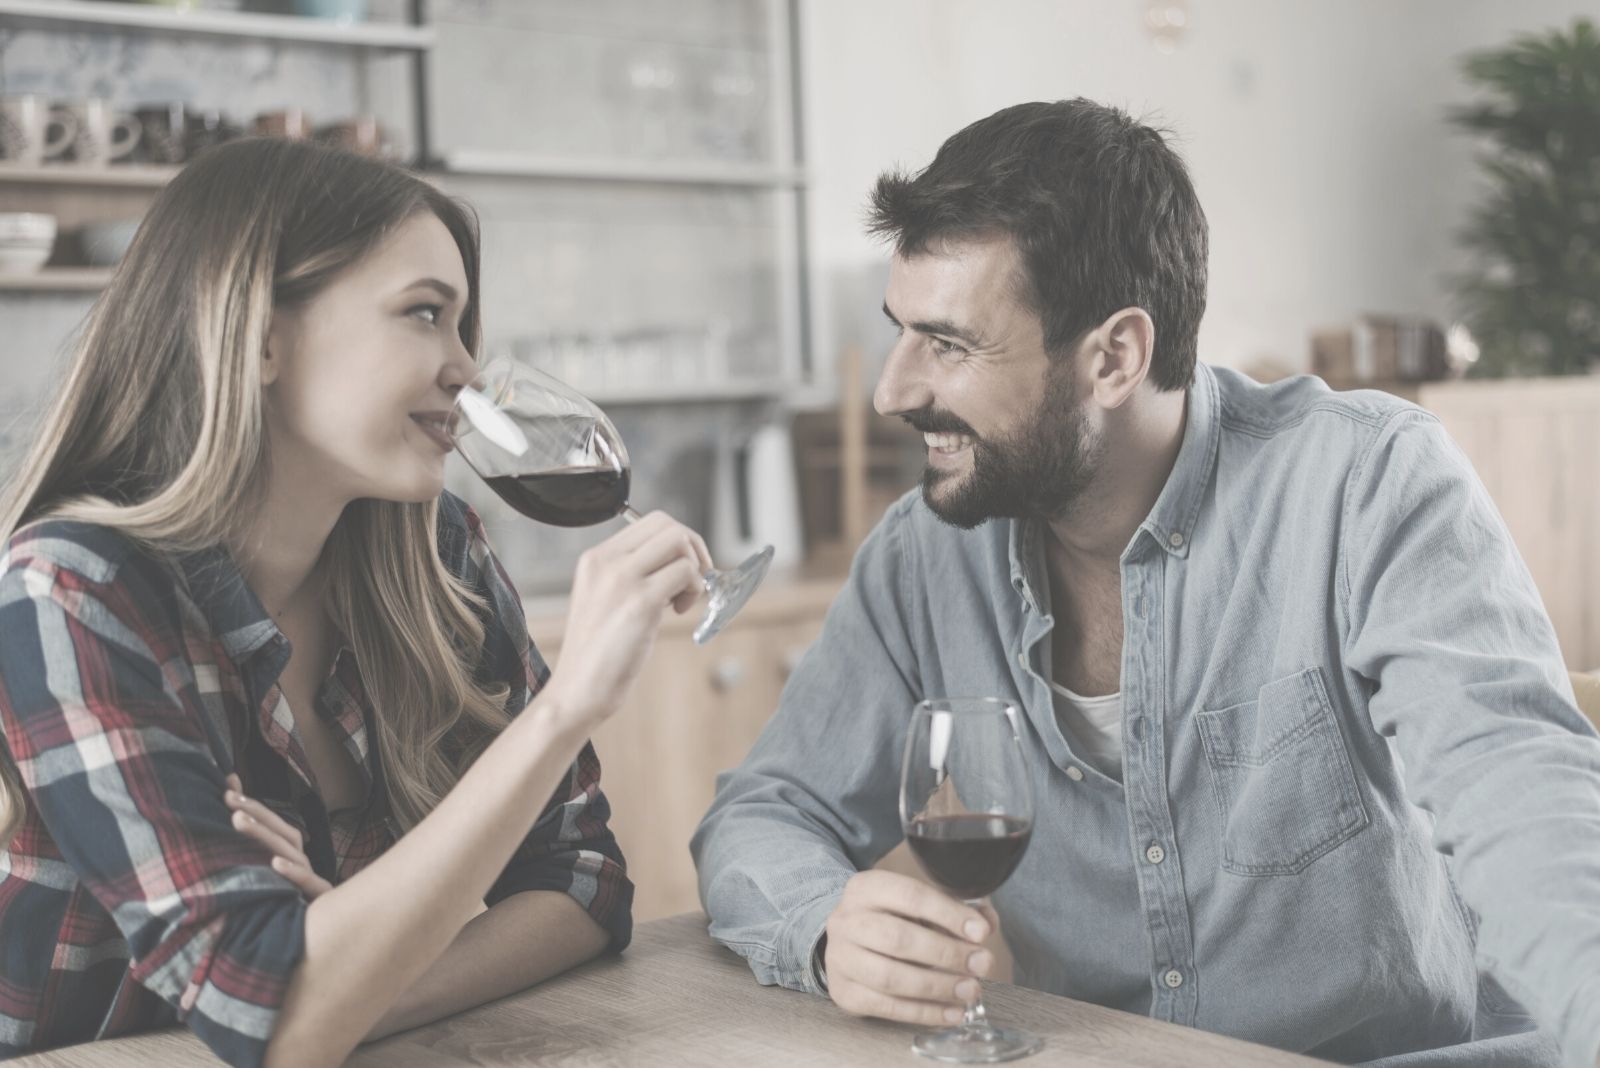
1313, 128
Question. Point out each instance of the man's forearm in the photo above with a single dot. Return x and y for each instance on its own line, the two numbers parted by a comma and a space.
523, 940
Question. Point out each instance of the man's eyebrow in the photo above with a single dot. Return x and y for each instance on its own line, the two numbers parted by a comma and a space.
941, 327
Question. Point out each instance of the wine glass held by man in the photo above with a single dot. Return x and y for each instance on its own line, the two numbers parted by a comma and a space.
275, 732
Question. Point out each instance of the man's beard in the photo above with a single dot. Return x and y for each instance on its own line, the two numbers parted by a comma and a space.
1038, 472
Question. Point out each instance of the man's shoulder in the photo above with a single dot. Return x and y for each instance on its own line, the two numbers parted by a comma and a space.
916, 537
1301, 413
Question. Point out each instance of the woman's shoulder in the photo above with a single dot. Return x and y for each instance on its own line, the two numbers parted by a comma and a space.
89, 551
463, 546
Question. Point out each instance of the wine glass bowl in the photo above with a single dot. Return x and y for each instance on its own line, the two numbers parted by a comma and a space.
553, 455
966, 805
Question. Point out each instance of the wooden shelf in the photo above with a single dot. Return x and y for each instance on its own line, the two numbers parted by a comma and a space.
491, 164
129, 175
94, 15
58, 280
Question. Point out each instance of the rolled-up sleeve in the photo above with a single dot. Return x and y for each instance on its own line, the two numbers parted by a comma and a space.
113, 751
571, 848
816, 800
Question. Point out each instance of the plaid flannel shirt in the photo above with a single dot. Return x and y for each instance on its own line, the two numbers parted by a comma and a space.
130, 686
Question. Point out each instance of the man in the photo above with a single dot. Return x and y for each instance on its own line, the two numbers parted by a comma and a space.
1306, 763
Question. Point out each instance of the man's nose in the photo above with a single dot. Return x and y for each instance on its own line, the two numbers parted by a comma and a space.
901, 388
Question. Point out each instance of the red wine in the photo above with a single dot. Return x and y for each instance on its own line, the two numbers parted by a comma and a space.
969, 855
567, 496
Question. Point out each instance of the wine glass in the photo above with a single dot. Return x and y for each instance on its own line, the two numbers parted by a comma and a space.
552, 454
966, 804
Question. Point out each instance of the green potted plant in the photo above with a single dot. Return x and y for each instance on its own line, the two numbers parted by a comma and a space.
1532, 295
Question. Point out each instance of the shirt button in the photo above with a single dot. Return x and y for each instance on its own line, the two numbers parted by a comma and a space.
1022, 659
1175, 539
1155, 854
1173, 978
1075, 774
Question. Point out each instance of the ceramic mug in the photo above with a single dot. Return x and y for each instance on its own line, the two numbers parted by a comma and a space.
32, 131
165, 133
103, 134
206, 127
361, 135
290, 123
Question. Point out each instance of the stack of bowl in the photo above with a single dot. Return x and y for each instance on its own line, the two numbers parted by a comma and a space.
26, 239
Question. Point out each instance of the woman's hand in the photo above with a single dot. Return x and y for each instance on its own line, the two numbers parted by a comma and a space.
619, 592
267, 827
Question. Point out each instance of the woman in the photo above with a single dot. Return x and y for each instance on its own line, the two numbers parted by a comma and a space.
276, 733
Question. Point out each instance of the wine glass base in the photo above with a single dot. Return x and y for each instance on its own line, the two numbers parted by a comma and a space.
977, 1045
727, 591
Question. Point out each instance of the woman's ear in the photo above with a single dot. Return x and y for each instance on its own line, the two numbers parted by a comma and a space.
273, 352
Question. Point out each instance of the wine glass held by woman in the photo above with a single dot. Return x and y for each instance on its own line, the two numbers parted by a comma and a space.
554, 456
245, 623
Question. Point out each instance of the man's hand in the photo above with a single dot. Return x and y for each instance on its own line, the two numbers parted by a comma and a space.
901, 950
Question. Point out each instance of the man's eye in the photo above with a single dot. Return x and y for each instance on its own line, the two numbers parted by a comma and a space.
945, 348
428, 313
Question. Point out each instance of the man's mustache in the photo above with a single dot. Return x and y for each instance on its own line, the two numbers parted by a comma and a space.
929, 421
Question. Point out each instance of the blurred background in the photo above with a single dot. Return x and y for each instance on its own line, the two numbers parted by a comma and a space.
1403, 194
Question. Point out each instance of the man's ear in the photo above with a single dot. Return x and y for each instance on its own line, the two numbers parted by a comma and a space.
1119, 352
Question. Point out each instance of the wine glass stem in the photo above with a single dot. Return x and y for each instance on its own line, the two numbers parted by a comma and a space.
977, 1019
632, 516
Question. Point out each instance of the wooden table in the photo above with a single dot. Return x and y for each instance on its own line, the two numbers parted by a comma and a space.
675, 998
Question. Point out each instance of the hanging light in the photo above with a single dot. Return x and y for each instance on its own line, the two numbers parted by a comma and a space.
1166, 22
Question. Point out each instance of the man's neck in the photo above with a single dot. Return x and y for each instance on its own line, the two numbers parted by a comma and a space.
1092, 537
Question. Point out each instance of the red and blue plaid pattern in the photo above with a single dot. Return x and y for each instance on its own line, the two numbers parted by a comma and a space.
130, 686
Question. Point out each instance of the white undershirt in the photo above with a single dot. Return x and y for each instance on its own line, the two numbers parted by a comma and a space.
1094, 724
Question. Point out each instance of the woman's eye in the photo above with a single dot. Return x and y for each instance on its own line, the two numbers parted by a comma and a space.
428, 313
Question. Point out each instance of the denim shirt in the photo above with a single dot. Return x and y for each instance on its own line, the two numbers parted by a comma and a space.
1360, 811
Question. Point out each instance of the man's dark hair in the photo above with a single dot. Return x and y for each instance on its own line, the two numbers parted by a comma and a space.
1100, 208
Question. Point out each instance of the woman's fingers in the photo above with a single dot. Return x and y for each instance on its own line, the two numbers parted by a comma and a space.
262, 814
309, 882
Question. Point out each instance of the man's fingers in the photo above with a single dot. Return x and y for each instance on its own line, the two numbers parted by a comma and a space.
914, 899
901, 939
859, 1000
900, 979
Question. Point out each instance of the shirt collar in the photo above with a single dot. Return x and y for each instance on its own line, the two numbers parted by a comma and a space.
1171, 520
231, 608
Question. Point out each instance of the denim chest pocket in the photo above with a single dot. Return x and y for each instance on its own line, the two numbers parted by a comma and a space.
1282, 780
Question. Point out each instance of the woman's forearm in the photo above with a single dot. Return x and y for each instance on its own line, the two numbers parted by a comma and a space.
523, 940
369, 939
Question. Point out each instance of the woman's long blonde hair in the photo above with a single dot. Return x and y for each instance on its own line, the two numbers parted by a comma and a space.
159, 431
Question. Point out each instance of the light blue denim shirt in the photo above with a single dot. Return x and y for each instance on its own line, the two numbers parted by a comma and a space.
1346, 726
